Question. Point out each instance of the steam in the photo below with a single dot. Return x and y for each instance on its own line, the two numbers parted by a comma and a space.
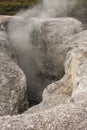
21, 29
49, 9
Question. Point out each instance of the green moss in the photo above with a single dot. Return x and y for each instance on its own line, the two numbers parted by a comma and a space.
68, 91
10, 7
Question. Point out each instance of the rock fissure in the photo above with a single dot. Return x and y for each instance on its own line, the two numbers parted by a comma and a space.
42, 59
56, 76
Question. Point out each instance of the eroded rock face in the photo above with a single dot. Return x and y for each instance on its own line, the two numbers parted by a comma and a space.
49, 39
42, 55
12, 79
64, 104
70, 115
52, 95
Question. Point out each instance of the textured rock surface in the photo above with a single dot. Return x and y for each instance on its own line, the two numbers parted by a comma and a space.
64, 105
48, 39
12, 79
55, 95
42, 43
71, 115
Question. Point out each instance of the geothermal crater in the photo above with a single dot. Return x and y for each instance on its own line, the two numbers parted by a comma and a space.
54, 53
36, 55
43, 69
40, 50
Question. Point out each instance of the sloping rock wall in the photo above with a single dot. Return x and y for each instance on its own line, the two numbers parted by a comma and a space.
64, 104
71, 115
12, 79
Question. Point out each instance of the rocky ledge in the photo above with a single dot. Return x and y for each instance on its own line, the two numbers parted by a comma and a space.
64, 103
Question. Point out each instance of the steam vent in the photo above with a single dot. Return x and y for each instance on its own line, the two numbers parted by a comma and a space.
43, 67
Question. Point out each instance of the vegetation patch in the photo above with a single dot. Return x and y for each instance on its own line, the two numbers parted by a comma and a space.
11, 7
68, 91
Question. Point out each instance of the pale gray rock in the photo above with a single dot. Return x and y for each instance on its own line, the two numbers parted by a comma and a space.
47, 39
4, 20
71, 115
12, 79
79, 39
50, 37
64, 104
74, 41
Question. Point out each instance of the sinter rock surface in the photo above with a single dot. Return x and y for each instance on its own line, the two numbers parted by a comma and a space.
69, 115
64, 104
12, 79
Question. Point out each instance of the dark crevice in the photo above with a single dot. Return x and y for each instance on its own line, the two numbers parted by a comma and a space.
37, 83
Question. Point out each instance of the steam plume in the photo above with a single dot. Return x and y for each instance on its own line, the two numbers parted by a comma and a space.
20, 34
